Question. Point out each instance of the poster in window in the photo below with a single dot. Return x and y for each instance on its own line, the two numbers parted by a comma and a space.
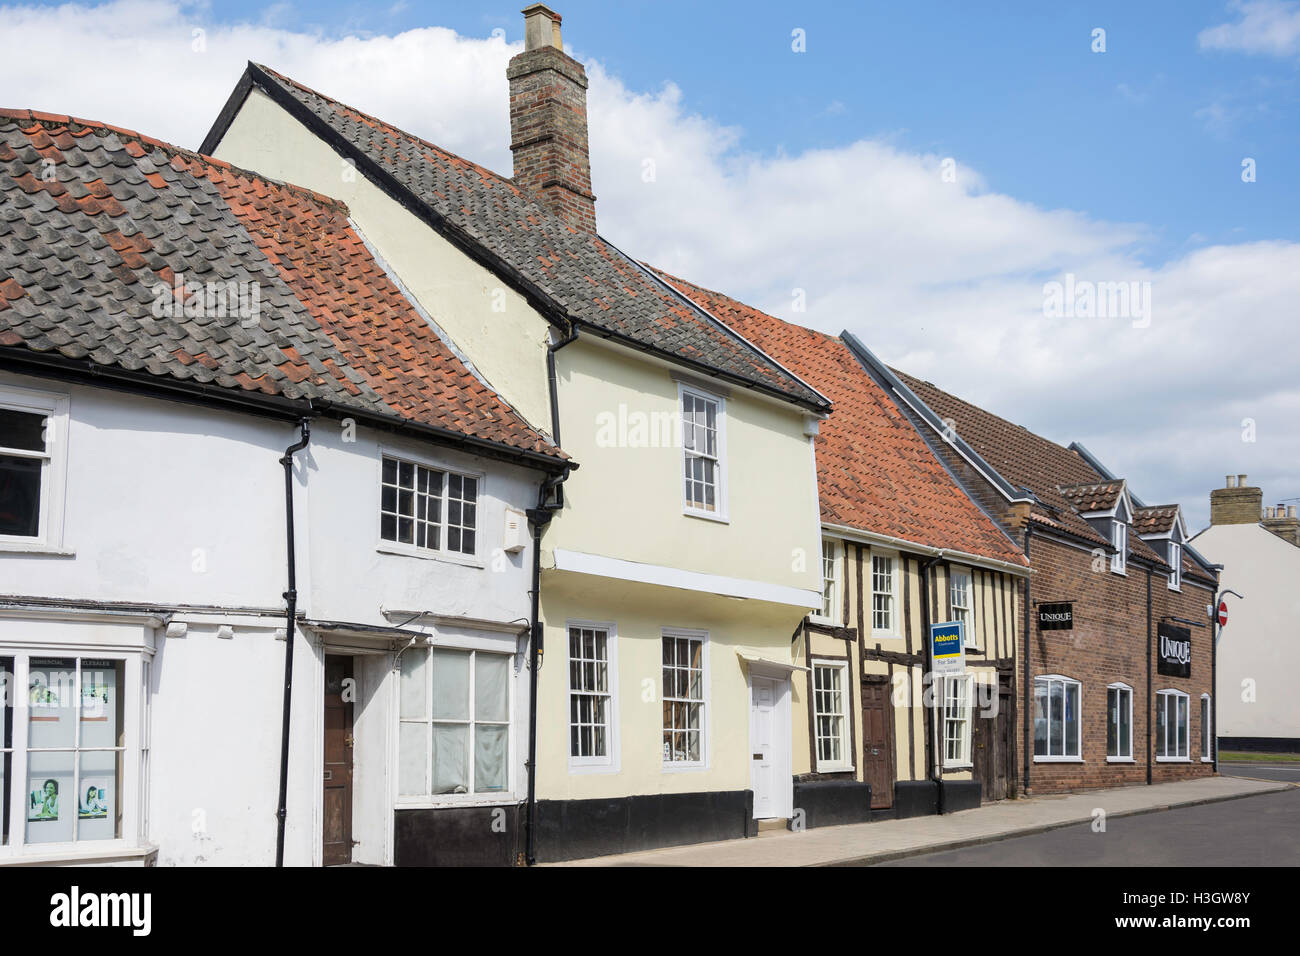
94, 800
43, 802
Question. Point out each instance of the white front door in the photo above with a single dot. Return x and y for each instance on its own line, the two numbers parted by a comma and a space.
763, 743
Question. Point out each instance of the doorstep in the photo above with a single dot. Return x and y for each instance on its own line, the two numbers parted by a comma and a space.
885, 840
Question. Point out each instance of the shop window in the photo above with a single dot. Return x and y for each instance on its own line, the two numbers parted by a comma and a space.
1119, 722
75, 750
454, 726
1056, 719
1171, 725
831, 715
1207, 741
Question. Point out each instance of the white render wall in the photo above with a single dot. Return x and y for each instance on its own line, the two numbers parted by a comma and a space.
173, 504
1261, 642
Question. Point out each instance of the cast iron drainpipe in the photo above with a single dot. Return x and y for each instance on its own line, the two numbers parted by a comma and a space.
1024, 666
539, 517
555, 400
1151, 738
290, 627
936, 773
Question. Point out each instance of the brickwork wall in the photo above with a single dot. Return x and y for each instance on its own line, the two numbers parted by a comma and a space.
1108, 644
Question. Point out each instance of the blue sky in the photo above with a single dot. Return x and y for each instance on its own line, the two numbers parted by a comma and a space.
810, 184
1153, 130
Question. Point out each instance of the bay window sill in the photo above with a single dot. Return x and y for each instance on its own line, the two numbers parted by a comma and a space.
146, 855
11, 546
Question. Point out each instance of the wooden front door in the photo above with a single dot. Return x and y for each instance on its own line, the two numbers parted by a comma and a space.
878, 742
991, 746
339, 694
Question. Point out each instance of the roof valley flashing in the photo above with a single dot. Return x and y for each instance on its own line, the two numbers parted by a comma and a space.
570, 276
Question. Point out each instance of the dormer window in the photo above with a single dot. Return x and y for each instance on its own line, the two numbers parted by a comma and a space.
1119, 538
1176, 563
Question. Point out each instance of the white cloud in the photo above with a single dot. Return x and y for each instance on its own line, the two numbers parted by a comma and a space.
1270, 27
942, 278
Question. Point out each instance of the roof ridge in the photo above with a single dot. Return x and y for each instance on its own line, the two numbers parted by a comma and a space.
57, 120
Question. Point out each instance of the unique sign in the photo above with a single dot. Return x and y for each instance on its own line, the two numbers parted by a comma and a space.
1223, 613
948, 647
1056, 617
1174, 658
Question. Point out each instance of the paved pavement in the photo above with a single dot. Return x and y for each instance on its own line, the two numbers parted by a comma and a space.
1262, 830
866, 843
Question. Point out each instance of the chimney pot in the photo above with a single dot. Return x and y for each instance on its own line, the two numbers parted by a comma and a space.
1241, 481
1232, 481
1290, 511
541, 27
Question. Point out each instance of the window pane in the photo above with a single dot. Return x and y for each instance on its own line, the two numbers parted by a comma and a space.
450, 758
101, 703
450, 684
491, 682
99, 796
1112, 723
22, 430
1072, 720
6, 742
413, 758
1161, 725
20, 496
491, 743
415, 683
1056, 725
1182, 727
51, 691
1040, 719
50, 796
1125, 730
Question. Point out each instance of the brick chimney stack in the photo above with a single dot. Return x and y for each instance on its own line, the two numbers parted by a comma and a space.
1236, 503
1282, 521
548, 121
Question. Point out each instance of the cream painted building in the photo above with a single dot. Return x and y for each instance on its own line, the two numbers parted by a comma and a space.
680, 558
1259, 648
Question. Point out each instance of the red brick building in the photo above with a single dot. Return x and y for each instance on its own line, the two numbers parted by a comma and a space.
1116, 677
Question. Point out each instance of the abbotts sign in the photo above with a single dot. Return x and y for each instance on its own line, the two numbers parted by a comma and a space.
1175, 651
1056, 617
